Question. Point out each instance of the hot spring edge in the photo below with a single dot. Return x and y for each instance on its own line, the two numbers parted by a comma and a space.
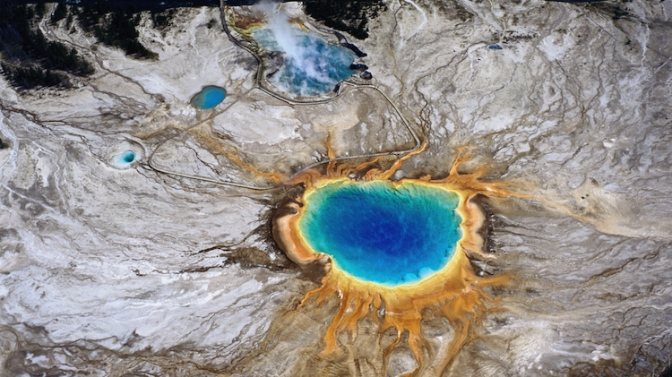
381, 232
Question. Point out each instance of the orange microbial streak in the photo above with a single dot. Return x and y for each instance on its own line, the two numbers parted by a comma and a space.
231, 153
455, 292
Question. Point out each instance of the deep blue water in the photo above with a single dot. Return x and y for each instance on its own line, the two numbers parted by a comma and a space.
311, 65
124, 160
209, 97
381, 234
128, 156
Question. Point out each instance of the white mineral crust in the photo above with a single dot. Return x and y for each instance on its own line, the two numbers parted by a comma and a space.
109, 271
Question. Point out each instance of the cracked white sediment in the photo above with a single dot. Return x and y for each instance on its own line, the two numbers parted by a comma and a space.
99, 263
422, 24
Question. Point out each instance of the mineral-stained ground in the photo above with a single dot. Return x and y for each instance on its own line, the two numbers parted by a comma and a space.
113, 269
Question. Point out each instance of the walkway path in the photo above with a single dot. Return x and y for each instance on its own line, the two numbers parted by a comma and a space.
259, 84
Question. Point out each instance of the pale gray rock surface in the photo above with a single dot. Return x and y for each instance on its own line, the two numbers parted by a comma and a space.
124, 271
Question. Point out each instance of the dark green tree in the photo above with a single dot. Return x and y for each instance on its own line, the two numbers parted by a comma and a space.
29, 59
40, 9
60, 12
68, 21
115, 28
351, 16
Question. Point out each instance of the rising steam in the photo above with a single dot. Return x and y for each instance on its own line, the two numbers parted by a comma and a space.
312, 66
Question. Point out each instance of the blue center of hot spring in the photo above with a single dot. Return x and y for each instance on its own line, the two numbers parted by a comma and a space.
382, 234
209, 97
129, 157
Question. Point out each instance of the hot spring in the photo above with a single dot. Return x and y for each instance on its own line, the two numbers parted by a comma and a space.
311, 65
208, 97
124, 159
383, 233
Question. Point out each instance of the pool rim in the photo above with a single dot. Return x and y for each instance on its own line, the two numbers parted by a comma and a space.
394, 186
289, 237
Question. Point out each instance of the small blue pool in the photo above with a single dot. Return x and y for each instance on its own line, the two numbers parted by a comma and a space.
208, 97
124, 160
380, 233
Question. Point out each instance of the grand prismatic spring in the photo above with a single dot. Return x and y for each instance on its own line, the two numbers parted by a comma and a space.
476, 188
382, 233
392, 250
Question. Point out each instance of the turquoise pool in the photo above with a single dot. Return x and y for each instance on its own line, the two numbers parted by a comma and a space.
380, 233
124, 160
208, 97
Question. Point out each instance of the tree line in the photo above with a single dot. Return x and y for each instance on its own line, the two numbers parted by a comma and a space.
351, 16
115, 27
30, 60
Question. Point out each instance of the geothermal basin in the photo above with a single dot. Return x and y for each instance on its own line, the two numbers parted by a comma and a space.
382, 232
311, 65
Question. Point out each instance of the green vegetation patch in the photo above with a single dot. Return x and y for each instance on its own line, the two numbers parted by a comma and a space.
116, 28
60, 12
351, 16
29, 60
162, 19
27, 78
